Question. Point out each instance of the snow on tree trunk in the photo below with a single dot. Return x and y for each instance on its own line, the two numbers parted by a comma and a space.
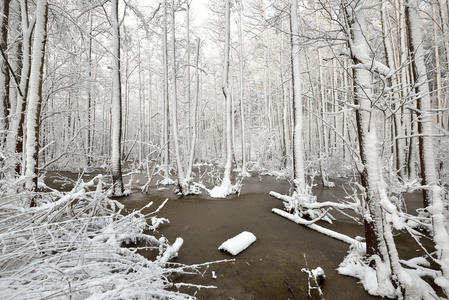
195, 109
366, 129
14, 142
244, 171
166, 153
380, 246
226, 188
181, 178
18, 120
298, 143
35, 100
116, 168
399, 143
422, 95
432, 194
227, 96
4, 71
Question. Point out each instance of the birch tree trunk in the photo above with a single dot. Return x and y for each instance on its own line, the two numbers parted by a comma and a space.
34, 104
298, 143
116, 167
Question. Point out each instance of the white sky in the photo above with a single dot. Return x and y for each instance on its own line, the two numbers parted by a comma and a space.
200, 10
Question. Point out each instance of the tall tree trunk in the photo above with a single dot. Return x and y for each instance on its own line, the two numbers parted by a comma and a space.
399, 143
89, 92
244, 171
15, 135
195, 109
432, 195
166, 152
181, 177
116, 166
187, 81
227, 96
298, 143
422, 94
34, 105
378, 231
366, 131
141, 109
4, 72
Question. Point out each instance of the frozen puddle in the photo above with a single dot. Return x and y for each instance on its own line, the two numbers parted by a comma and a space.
238, 243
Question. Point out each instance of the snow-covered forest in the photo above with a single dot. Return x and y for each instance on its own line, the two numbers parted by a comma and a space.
200, 96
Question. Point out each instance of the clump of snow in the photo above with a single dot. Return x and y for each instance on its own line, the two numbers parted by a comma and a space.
224, 190
166, 181
318, 272
238, 243
171, 251
304, 205
315, 280
378, 281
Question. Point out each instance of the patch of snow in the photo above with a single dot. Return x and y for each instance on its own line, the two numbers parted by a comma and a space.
166, 181
224, 190
238, 243
318, 272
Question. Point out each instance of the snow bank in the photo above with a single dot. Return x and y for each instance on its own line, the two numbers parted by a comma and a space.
238, 243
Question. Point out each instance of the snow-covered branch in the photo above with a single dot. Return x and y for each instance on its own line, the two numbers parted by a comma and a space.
70, 246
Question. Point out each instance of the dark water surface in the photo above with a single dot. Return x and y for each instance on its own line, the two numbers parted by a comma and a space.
281, 249
278, 254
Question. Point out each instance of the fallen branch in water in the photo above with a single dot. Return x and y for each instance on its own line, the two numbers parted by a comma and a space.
297, 219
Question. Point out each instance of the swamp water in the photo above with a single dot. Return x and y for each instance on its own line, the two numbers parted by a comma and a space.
281, 250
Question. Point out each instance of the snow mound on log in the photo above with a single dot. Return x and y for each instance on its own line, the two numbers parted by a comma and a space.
238, 243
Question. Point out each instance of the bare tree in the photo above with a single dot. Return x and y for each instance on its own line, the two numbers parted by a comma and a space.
4, 70
244, 171
298, 142
432, 194
227, 96
116, 166
34, 103
174, 101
